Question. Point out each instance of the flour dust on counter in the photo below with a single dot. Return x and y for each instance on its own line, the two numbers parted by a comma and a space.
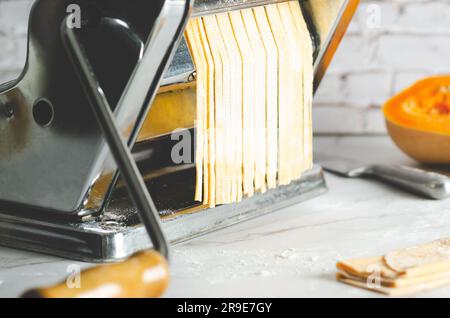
254, 97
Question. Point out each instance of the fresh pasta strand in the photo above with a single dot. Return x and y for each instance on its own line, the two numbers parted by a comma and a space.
254, 99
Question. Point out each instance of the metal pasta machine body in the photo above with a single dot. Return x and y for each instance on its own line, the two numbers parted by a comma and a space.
60, 189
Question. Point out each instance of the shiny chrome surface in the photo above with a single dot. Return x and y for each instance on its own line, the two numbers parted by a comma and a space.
54, 167
117, 233
205, 7
119, 148
142, 87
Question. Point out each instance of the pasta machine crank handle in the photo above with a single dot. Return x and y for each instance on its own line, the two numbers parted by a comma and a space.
146, 273
119, 149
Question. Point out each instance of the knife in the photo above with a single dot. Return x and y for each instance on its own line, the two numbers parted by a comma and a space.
429, 184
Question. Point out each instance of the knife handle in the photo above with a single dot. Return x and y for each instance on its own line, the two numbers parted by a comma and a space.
429, 184
143, 275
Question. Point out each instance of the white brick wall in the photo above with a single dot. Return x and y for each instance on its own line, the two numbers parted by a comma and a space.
373, 63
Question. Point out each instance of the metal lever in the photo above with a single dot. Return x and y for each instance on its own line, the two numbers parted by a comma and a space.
119, 149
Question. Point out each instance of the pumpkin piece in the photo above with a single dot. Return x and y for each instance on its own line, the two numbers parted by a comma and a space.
418, 120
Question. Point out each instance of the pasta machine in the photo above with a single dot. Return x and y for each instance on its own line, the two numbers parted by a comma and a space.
61, 190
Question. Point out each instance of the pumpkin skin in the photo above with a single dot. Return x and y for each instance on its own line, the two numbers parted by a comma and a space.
418, 120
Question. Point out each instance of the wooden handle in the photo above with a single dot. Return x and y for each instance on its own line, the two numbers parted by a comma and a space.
143, 275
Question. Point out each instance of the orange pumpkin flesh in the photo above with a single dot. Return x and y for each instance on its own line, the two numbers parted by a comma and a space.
418, 120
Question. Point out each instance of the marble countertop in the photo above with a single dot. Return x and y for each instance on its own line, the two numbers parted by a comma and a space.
289, 253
